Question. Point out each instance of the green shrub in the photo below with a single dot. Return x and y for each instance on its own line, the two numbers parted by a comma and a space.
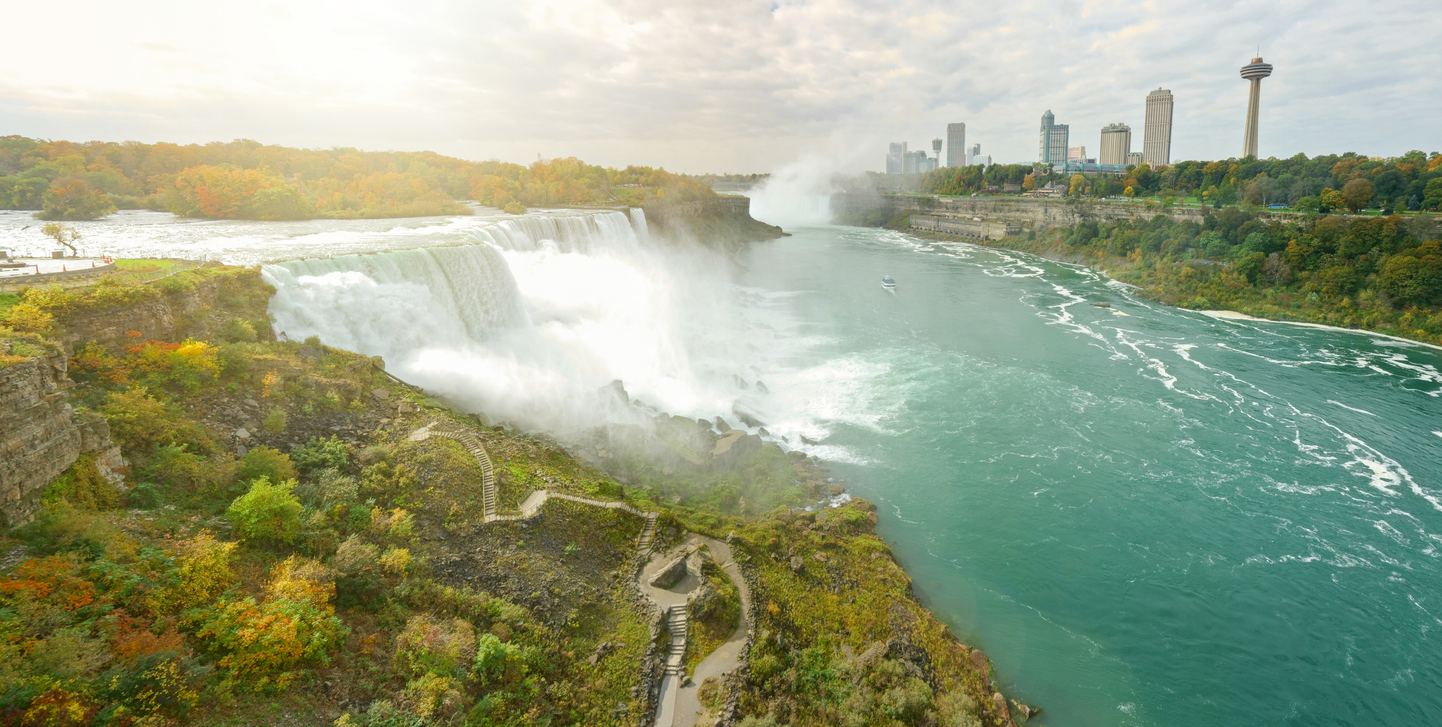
183, 471
494, 658
268, 513
84, 487
274, 421
319, 454
444, 647
139, 421
266, 462
327, 489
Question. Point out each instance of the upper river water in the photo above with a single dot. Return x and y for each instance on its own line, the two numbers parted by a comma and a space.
1144, 515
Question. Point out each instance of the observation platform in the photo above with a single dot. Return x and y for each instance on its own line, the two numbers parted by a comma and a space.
29, 270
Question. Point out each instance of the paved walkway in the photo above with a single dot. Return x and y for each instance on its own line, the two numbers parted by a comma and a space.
677, 706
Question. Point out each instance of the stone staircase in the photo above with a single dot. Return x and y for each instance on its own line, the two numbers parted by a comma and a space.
643, 544
676, 625
488, 475
537, 499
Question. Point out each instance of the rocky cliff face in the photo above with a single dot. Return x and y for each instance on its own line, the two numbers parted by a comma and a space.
172, 317
41, 435
724, 221
1037, 213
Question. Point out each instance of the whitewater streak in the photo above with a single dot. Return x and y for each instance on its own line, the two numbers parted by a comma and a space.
529, 320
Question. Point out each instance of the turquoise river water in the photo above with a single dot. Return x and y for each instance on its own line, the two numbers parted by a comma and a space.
1145, 516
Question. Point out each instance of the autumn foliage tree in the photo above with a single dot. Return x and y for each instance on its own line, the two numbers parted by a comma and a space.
226, 192
73, 199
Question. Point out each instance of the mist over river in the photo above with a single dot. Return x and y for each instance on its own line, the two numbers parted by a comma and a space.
1145, 516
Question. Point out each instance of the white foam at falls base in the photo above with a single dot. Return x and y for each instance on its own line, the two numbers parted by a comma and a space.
529, 322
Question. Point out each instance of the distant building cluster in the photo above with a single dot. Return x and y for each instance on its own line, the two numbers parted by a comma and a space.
899, 160
1114, 153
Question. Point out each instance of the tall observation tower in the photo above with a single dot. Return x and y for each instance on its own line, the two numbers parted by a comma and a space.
1254, 72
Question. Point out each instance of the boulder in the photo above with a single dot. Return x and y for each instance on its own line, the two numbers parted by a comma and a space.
1001, 709
979, 662
1026, 710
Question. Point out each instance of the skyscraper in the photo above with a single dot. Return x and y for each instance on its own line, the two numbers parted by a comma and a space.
1254, 72
1116, 144
956, 145
895, 157
1157, 134
1053, 143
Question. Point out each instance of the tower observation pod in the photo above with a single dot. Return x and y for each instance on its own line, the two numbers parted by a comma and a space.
1254, 72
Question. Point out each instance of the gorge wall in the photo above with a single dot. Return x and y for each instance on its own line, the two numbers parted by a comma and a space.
1033, 212
171, 316
41, 435
724, 220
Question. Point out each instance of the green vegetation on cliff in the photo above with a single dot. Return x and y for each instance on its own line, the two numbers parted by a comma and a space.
1382, 273
286, 550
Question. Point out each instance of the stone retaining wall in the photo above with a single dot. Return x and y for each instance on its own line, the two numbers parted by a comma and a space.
967, 228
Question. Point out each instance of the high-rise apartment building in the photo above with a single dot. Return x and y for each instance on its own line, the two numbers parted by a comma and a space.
1116, 144
1134, 159
1053, 143
1076, 154
956, 145
976, 158
1157, 134
895, 157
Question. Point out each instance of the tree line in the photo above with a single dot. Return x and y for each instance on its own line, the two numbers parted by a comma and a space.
1352, 182
1379, 273
245, 179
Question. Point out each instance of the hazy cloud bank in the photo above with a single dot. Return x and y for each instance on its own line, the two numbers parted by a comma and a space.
720, 86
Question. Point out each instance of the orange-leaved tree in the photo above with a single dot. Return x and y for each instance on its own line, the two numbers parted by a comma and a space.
227, 192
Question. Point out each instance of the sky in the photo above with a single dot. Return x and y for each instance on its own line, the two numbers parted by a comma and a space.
722, 85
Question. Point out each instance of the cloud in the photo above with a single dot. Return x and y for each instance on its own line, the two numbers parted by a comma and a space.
721, 86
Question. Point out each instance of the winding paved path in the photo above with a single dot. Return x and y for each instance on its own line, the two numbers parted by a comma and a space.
677, 706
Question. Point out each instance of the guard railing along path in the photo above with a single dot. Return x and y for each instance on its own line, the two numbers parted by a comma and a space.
677, 705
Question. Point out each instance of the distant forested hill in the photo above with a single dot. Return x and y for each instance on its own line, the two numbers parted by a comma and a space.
248, 180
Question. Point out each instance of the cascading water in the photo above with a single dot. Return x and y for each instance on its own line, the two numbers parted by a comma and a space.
638, 223
533, 318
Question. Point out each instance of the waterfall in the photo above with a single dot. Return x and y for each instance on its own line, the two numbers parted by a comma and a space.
530, 318
638, 223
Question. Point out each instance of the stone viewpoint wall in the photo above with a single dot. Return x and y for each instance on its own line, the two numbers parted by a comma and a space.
41, 435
